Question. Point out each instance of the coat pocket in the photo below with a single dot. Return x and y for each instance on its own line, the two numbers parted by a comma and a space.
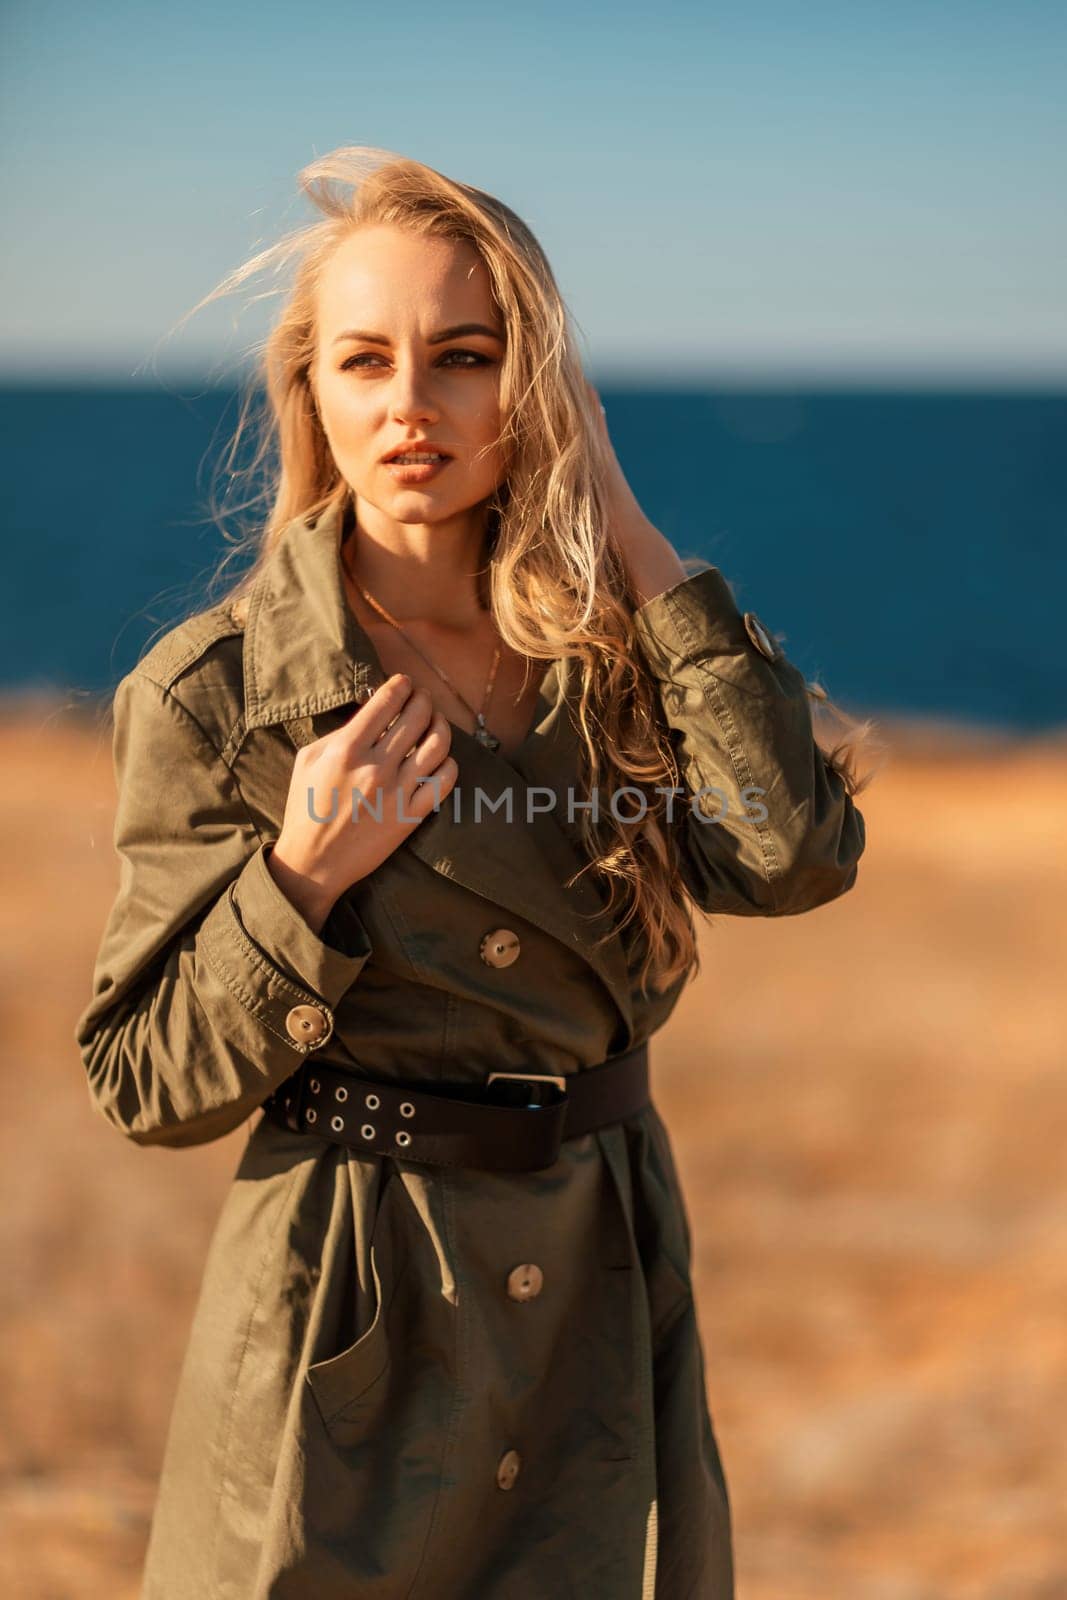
346, 1385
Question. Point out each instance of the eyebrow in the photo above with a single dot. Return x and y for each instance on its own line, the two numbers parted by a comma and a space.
462, 331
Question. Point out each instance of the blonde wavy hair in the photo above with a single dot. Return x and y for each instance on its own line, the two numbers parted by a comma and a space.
557, 585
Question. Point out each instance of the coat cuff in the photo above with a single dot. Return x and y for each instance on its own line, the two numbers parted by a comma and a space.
739, 715
274, 963
697, 623
269, 918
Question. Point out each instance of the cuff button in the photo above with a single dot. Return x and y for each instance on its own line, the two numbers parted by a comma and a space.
307, 1025
760, 637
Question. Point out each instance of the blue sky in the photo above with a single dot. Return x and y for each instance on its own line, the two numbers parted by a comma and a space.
743, 191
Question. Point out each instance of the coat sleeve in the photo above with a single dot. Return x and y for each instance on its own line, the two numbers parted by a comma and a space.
203, 958
790, 835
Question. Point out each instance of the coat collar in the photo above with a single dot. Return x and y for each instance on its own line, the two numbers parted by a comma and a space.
306, 654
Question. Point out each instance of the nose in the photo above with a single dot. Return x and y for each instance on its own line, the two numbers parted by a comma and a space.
410, 398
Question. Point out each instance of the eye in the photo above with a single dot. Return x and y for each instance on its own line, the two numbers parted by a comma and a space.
476, 359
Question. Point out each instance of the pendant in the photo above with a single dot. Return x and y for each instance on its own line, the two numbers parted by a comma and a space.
484, 737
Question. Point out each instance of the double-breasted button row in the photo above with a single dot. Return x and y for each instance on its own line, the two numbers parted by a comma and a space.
524, 1282
499, 948
308, 1025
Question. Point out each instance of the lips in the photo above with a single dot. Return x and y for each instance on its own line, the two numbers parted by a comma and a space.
416, 448
413, 472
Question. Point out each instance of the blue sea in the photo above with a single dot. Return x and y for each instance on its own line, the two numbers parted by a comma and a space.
910, 548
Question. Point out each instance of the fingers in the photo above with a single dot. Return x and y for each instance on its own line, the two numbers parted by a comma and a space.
430, 791
429, 759
393, 719
409, 727
404, 733
385, 704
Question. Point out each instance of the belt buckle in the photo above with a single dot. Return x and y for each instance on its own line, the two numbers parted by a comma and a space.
533, 1077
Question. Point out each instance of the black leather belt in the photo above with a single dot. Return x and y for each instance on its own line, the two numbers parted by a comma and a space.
513, 1122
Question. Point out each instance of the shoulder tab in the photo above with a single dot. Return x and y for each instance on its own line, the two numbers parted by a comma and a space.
179, 649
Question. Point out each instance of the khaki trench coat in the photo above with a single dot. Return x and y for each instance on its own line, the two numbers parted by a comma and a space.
405, 1381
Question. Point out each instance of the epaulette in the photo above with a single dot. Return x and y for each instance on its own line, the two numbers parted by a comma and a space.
187, 641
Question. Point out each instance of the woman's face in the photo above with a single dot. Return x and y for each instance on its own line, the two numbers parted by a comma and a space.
385, 375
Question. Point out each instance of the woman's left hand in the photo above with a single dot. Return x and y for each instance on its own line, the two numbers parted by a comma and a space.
650, 558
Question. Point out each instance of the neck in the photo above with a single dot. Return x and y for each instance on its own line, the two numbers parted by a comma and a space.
420, 572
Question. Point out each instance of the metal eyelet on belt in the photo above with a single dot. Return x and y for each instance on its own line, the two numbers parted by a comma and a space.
311, 1113
313, 1085
406, 1110
337, 1124
372, 1102
367, 1131
340, 1093
403, 1136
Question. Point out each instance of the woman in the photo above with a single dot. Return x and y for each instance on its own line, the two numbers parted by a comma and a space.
446, 1343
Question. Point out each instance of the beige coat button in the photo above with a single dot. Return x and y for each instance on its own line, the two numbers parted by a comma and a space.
508, 1468
760, 637
499, 948
525, 1282
307, 1024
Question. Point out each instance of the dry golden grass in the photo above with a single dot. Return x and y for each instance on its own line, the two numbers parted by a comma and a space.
869, 1111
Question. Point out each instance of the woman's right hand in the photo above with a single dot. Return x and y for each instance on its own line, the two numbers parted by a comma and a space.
391, 742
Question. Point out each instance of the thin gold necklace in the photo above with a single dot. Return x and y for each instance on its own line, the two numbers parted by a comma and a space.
481, 732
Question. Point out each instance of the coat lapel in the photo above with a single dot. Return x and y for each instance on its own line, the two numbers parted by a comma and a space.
306, 656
